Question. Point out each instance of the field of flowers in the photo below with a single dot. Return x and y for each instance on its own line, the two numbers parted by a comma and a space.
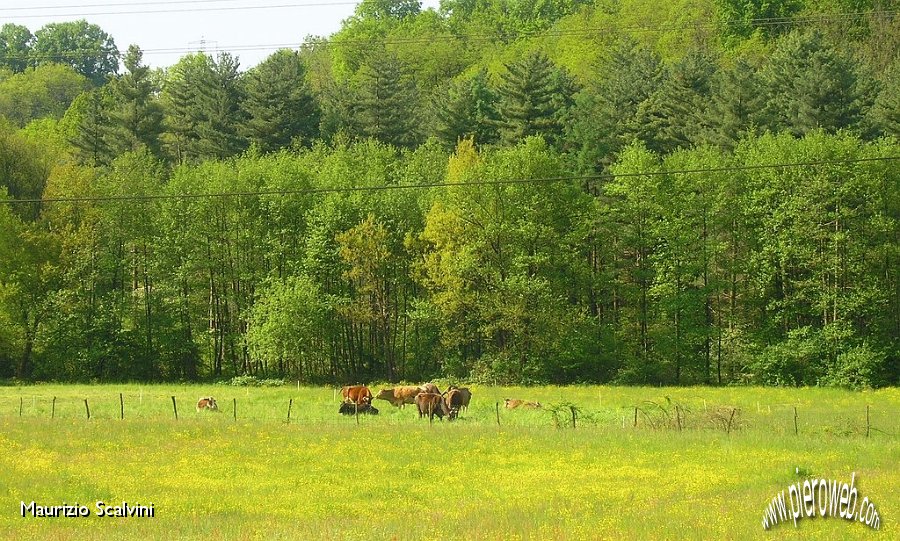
394, 476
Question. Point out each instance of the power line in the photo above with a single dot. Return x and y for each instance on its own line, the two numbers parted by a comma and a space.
132, 4
768, 22
180, 10
500, 182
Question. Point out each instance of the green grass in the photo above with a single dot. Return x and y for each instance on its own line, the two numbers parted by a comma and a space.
322, 476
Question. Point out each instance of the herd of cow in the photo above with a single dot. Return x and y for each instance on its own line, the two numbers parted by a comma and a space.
429, 400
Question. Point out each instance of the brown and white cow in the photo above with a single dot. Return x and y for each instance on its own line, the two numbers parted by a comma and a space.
431, 404
207, 403
356, 394
430, 388
513, 403
400, 396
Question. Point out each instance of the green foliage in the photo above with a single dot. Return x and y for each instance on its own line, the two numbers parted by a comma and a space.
385, 105
22, 172
89, 114
886, 110
44, 91
605, 118
736, 104
533, 97
346, 245
672, 117
812, 86
740, 18
284, 329
15, 46
469, 110
278, 105
253, 381
85, 47
136, 119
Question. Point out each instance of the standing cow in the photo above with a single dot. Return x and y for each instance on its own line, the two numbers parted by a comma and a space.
400, 396
430, 388
431, 404
465, 395
356, 394
454, 403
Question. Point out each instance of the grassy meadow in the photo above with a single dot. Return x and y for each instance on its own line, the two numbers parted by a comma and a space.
393, 476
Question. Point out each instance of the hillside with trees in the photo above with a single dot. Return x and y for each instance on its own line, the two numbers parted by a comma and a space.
501, 191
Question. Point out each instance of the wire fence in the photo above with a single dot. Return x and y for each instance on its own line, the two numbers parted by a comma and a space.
322, 407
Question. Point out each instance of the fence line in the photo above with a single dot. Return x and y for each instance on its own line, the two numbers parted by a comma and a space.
652, 416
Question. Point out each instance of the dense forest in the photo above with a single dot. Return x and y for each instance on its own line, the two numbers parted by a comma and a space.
627, 191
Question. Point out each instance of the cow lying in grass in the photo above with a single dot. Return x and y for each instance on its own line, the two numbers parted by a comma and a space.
431, 404
207, 403
513, 403
349, 408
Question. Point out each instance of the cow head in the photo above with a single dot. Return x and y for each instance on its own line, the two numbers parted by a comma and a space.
385, 394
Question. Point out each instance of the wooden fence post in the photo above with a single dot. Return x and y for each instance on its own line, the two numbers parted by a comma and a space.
356, 411
175, 408
121, 407
796, 426
498, 413
87, 409
290, 405
53, 408
234, 408
572, 409
867, 420
21, 402
635, 416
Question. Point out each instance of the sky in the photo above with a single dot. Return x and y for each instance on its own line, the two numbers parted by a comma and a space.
168, 29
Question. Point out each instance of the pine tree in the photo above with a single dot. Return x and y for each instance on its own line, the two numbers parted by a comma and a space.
671, 117
530, 96
219, 101
886, 111
386, 100
180, 97
736, 99
605, 115
92, 127
468, 110
811, 86
278, 106
137, 117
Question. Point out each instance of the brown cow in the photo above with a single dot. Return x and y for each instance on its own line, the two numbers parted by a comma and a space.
207, 403
430, 388
356, 394
513, 403
465, 395
431, 404
400, 396
454, 402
